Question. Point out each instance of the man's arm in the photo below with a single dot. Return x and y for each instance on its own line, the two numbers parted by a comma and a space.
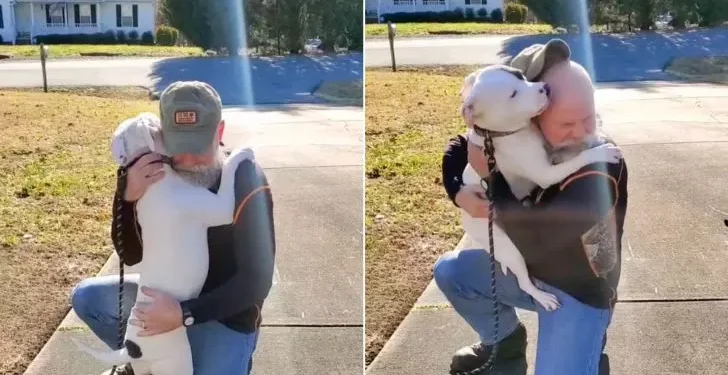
454, 162
254, 241
584, 199
130, 230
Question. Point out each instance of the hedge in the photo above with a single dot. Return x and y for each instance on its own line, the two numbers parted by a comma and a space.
108, 37
446, 16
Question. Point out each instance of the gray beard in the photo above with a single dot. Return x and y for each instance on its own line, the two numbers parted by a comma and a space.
562, 154
205, 176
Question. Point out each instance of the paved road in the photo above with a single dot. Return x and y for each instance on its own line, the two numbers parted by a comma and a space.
312, 321
612, 57
674, 284
269, 80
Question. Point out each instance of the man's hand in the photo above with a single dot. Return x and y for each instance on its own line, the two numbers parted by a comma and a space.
471, 198
146, 171
161, 315
477, 159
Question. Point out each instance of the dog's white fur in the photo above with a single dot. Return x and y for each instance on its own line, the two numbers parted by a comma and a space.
174, 215
494, 98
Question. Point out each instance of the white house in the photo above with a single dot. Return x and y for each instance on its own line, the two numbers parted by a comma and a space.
23, 20
378, 8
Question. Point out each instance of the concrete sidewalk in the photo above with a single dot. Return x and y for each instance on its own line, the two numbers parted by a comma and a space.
674, 284
313, 157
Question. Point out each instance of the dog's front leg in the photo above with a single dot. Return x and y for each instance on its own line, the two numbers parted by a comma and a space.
545, 174
218, 209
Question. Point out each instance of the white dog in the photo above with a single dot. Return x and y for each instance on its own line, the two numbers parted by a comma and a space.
499, 99
174, 215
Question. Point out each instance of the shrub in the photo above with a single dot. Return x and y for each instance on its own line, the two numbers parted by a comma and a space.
167, 36
121, 36
469, 13
148, 38
496, 15
455, 15
109, 37
483, 13
133, 37
516, 13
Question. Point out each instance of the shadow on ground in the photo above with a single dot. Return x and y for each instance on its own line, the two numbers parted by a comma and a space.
631, 57
271, 80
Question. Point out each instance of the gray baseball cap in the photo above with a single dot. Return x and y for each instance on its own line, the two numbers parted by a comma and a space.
190, 112
538, 58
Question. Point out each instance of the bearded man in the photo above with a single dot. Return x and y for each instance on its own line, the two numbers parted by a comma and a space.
224, 321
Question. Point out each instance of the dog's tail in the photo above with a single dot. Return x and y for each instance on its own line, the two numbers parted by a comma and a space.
111, 358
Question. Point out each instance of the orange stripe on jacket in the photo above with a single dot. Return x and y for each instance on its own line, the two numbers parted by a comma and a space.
590, 173
245, 200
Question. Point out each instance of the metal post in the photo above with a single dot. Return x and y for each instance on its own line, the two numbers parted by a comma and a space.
391, 30
43, 56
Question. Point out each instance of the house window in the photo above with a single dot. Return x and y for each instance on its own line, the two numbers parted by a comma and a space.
127, 15
433, 2
476, 2
127, 18
84, 17
403, 2
55, 14
2, 23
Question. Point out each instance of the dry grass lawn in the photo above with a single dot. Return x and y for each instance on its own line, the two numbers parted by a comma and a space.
410, 221
75, 50
56, 186
460, 28
709, 69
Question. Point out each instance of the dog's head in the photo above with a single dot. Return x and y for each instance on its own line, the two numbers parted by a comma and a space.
134, 137
498, 98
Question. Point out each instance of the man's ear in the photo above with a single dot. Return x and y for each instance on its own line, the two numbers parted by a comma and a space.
220, 130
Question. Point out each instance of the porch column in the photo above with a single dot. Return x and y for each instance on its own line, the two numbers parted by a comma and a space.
32, 22
68, 19
379, 5
98, 16
12, 20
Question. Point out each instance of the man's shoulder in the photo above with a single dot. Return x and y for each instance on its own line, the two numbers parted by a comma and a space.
249, 178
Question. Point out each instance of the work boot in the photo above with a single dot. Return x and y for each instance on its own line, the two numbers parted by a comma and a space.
474, 356
604, 364
120, 370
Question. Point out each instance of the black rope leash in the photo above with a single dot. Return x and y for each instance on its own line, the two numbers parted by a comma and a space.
119, 245
486, 183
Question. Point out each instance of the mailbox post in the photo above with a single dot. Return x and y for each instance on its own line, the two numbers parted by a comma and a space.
392, 31
43, 57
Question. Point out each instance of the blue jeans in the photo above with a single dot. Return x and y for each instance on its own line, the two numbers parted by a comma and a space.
570, 339
216, 349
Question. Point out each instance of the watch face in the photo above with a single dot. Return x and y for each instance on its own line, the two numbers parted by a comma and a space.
189, 321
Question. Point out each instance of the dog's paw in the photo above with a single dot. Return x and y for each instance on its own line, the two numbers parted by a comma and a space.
606, 153
238, 155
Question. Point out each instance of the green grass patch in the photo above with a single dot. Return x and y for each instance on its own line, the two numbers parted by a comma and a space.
57, 180
342, 92
460, 28
707, 69
78, 50
409, 219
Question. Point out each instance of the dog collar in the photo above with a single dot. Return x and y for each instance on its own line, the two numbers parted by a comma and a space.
493, 134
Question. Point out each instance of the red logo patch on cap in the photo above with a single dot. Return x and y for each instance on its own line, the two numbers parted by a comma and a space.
185, 117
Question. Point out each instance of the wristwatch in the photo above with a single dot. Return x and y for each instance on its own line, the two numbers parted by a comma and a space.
187, 318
